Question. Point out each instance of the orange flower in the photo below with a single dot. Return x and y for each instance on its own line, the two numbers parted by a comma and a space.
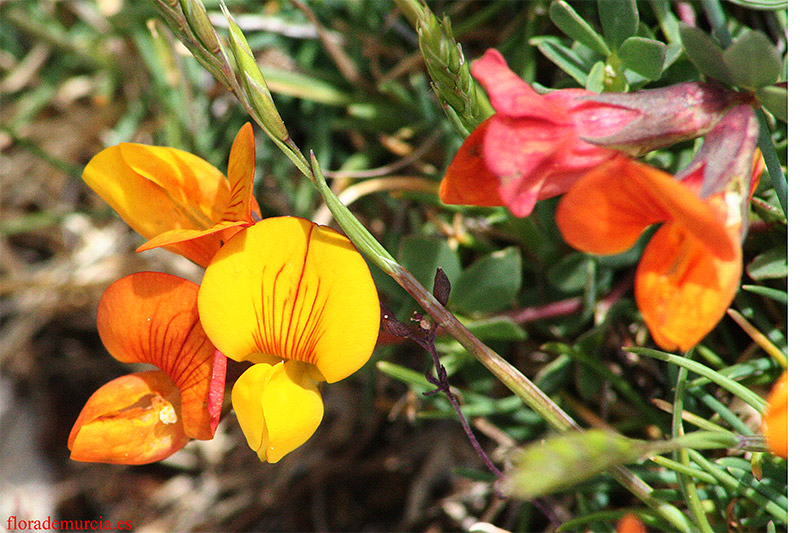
775, 424
690, 270
144, 417
297, 300
175, 199
691, 267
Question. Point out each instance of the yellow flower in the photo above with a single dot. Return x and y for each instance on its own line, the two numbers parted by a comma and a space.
297, 300
176, 199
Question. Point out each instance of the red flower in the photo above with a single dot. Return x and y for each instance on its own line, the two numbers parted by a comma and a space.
537, 145
531, 148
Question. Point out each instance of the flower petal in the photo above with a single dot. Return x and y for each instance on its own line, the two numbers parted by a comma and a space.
468, 181
774, 425
150, 317
508, 93
682, 289
131, 420
278, 407
240, 209
241, 167
287, 288
156, 189
607, 210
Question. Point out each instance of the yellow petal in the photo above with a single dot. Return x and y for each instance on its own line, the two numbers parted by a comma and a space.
151, 317
198, 190
682, 289
289, 289
278, 407
134, 419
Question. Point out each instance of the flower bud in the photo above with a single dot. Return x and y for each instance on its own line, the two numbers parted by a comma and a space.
661, 117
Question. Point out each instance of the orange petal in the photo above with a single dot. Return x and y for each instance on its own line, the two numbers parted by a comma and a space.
467, 180
131, 420
286, 288
156, 189
630, 523
197, 189
241, 167
278, 407
775, 425
607, 210
239, 211
682, 289
150, 317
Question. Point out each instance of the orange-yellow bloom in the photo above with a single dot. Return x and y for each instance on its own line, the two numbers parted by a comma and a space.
176, 199
630, 523
775, 424
691, 267
144, 417
298, 300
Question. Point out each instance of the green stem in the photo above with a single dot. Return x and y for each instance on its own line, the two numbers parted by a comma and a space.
509, 375
772, 162
687, 484
745, 394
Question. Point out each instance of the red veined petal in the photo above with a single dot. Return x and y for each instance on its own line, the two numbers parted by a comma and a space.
150, 317
286, 288
682, 289
134, 419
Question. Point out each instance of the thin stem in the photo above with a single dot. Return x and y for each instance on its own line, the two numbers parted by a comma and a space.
687, 484
443, 385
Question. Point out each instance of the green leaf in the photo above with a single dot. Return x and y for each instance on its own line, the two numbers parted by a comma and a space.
497, 328
705, 53
565, 460
421, 255
596, 80
768, 292
753, 61
775, 99
491, 283
766, 5
643, 56
412, 378
772, 264
620, 19
572, 24
745, 394
564, 58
